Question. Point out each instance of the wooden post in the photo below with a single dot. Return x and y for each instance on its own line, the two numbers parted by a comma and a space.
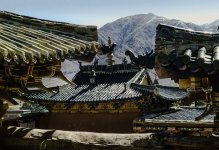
216, 57
3, 109
216, 118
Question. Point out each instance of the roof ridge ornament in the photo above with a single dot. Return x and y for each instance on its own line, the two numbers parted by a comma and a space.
108, 50
109, 42
142, 61
92, 76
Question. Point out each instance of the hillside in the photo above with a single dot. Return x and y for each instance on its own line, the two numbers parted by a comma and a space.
137, 32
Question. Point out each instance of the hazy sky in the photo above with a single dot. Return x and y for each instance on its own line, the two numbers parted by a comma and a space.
99, 12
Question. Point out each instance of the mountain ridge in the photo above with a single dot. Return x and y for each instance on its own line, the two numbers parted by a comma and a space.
137, 32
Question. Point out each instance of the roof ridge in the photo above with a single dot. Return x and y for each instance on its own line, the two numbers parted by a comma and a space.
39, 19
80, 31
136, 77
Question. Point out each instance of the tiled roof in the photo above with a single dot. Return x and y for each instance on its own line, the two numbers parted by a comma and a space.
106, 87
32, 48
30, 39
186, 113
119, 85
103, 92
187, 49
65, 92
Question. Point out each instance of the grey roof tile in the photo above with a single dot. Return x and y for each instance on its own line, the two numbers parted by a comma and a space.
189, 113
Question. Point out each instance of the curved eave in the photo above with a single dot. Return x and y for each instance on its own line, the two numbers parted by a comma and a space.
172, 93
164, 92
86, 94
169, 38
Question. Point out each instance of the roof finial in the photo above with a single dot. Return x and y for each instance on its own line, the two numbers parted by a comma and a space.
124, 61
96, 61
109, 42
92, 76
80, 64
156, 80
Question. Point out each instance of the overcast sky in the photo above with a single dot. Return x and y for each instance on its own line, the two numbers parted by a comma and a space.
99, 12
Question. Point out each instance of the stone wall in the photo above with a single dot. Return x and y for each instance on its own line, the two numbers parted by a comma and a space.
16, 138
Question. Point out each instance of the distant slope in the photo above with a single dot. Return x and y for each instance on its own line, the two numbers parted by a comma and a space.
212, 27
137, 32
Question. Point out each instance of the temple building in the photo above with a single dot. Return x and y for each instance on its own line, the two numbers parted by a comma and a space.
105, 98
31, 49
191, 59
110, 97
101, 98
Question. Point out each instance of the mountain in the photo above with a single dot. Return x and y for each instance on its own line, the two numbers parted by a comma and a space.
212, 27
137, 32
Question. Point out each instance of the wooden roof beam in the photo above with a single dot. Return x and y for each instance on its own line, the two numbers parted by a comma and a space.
23, 54
35, 53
